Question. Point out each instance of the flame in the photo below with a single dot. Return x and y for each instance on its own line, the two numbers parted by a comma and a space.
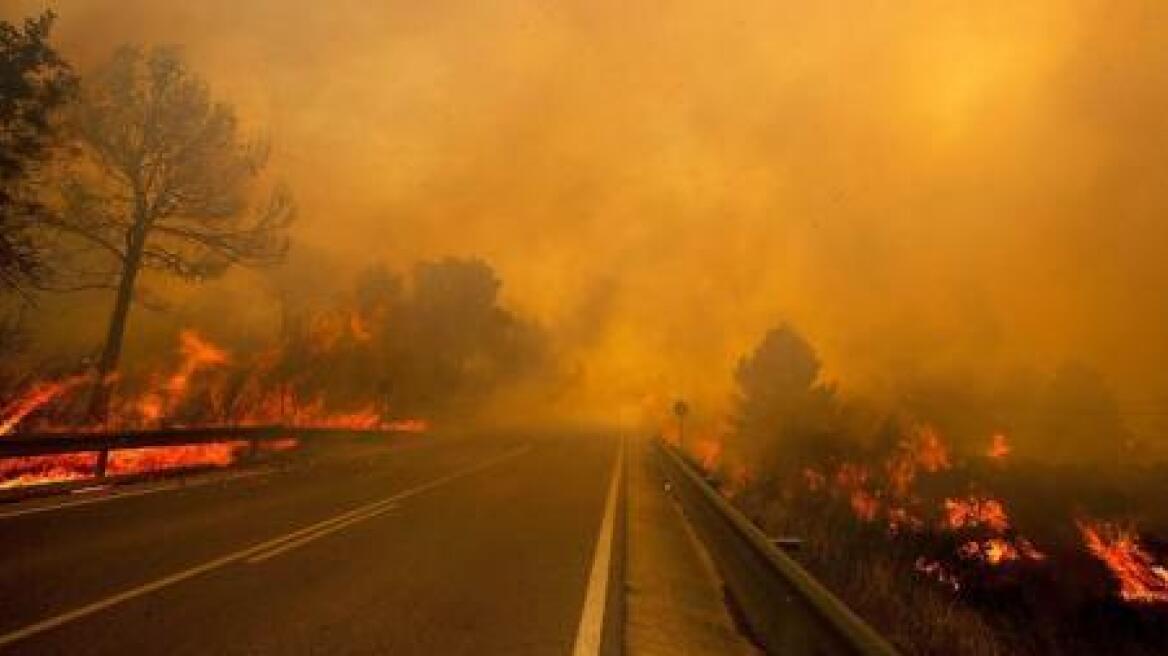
922, 451
814, 479
37, 396
136, 461
888, 493
708, 453
253, 404
38, 470
864, 505
999, 447
987, 514
974, 512
930, 452
1142, 579
358, 328
197, 354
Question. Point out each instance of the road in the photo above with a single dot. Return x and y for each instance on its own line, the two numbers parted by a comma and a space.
440, 546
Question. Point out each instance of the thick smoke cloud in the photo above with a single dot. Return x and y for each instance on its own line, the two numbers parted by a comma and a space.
922, 187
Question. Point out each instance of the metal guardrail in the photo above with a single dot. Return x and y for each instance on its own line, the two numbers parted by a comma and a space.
785, 608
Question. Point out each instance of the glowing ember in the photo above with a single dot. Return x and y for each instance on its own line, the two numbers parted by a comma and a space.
708, 453
814, 480
408, 425
134, 461
1141, 578
931, 453
999, 447
996, 551
357, 327
936, 571
901, 520
39, 470
864, 505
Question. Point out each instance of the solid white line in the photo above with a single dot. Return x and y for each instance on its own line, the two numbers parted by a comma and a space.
146, 588
288, 546
591, 630
165, 487
20, 512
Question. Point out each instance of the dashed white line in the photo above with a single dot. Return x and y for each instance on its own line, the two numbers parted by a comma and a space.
292, 544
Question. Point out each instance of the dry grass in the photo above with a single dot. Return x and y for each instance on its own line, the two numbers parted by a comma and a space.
878, 583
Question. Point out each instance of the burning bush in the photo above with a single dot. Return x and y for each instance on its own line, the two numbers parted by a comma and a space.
437, 344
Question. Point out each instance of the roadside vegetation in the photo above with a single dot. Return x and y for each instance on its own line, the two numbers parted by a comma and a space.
1020, 520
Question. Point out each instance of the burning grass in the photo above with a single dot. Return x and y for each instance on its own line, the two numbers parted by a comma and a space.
1022, 519
978, 556
200, 391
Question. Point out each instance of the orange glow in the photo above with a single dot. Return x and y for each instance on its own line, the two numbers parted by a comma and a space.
137, 461
999, 447
814, 479
197, 354
931, 453
708, 453
39, 470
864, 505
358, 329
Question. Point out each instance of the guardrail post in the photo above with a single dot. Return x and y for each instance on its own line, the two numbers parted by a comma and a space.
99, 467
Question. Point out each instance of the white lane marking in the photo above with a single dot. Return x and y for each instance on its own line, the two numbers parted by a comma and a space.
168, 487
20, 512
591, 630
146, 588
290, 545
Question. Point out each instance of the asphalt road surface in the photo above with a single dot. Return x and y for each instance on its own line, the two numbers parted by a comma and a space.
472, 546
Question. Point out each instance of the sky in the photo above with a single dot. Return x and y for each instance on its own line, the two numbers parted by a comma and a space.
919, 186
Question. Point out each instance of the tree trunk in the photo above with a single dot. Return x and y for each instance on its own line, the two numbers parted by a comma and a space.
111, 352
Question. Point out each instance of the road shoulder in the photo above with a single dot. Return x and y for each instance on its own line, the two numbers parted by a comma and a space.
674, 599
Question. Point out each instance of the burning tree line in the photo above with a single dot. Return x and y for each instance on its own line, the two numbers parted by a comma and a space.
132, 171
131, 168
956, 520
394, 350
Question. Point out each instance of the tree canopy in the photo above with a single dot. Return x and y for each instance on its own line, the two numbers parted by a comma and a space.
35, 82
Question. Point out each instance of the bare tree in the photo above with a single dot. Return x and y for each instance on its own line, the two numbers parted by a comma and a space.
164, 181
